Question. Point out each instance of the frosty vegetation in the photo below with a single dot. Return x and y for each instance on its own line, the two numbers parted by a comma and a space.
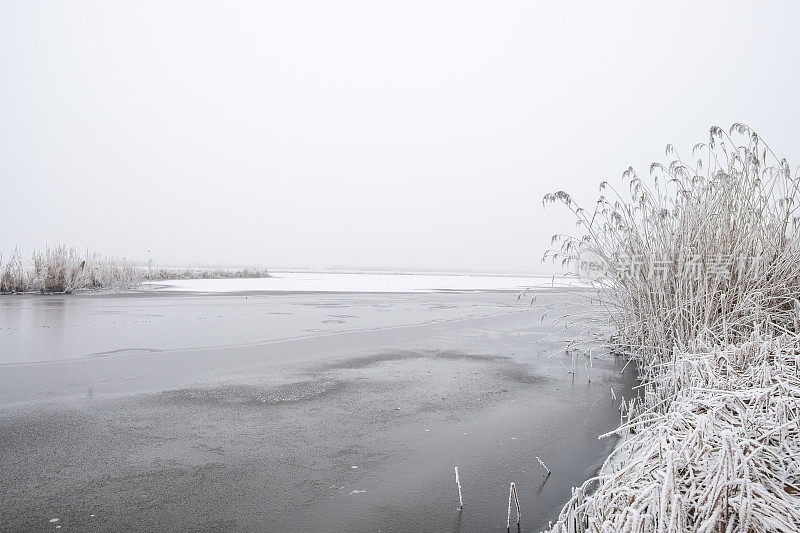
700, 271
62, 269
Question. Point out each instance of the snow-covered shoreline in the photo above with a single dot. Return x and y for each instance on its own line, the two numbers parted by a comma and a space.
717, 440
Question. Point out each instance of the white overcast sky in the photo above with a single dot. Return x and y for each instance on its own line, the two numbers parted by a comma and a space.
372, 134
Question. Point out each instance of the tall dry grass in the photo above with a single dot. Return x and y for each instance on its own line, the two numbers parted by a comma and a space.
706, 249
167, 273
699, 268
63, 269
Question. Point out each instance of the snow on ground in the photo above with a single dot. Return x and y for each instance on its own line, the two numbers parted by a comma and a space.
363, 282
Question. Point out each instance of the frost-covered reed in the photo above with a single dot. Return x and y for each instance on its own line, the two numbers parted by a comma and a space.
513, 498
700, 273
155, 274
720, 453
543, 466
458, 484
62, 269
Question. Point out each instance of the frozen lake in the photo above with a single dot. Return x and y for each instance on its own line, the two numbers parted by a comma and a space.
296, 411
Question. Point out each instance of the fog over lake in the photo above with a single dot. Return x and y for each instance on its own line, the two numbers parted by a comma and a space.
361, 135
